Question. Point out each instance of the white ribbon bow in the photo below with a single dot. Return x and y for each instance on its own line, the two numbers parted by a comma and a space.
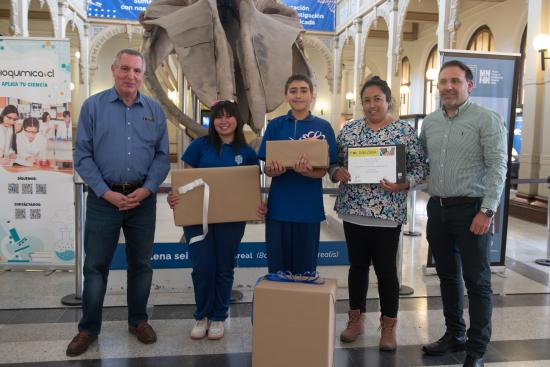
191, 186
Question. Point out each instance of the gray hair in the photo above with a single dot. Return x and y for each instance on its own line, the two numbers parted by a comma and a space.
128, 51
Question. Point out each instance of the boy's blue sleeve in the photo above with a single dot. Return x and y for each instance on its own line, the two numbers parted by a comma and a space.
192, 154
251, 157
332, 146
267, 136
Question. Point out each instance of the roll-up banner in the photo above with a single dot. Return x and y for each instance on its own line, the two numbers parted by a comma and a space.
315, 15
36, 167
495, 88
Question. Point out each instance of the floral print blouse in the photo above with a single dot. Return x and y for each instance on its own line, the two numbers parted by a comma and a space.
371, 200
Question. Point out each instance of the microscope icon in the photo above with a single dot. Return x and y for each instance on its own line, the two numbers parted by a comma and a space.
14, 247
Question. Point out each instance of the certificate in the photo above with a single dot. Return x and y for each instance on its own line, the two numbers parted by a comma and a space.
371, 164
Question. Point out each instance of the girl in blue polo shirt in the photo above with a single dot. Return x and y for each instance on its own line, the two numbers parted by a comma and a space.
213, 258
295, 205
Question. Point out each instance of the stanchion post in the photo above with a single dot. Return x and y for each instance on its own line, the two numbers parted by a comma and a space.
546, 262
412, 206
76, 298
403, 289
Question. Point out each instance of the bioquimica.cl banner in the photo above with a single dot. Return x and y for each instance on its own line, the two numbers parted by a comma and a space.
36, 168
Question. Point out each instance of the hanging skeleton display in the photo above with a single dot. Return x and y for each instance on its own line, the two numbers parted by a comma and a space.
242, 50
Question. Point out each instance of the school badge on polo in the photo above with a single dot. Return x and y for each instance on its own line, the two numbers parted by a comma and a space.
239, 159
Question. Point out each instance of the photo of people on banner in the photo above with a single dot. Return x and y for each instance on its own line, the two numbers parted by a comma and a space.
34, 135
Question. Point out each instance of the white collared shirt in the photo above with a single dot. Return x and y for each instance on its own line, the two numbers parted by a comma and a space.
36, 148
5, 140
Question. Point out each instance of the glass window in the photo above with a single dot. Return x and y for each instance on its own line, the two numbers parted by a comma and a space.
482, 40
430, 81
405, 86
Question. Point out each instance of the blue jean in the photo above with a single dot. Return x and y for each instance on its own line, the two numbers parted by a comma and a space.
101, 233
292, 246
213, 262
456, 250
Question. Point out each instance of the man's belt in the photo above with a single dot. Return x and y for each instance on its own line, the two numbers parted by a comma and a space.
456, 200
126, 187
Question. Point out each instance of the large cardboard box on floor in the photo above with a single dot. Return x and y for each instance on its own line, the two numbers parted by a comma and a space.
287, 152
293, 324
234, 194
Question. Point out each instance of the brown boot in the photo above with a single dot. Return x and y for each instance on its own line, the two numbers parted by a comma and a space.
388, 342
355, 327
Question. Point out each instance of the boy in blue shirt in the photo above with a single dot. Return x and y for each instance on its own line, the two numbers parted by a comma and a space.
295, 204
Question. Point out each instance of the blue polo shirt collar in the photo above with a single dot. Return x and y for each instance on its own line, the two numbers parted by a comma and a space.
308, 118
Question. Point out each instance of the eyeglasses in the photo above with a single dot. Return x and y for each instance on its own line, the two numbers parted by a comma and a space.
11, 118
32, 132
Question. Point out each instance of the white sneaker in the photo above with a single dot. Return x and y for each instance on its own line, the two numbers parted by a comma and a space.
216, 330
200, 329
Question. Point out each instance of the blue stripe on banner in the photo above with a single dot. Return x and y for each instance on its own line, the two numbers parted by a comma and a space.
250, 255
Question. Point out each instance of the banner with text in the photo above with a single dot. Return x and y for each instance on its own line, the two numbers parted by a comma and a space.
36, 168
117, 9
250, 255
315, 15
495, 88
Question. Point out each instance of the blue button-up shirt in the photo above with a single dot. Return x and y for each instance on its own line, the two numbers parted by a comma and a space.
117, 144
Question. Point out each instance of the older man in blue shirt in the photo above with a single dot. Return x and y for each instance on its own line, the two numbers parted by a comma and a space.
122, 154
466, 147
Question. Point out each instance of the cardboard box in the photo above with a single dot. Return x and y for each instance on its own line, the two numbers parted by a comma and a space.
234, 194
288, 151
293, 324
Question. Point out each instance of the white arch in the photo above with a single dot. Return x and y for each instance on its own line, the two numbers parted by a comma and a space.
369, 21
103, 37
343, 40
314, 42
77, 23
384, 11
52, 6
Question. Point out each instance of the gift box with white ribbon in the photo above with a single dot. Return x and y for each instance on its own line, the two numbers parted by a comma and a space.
216, 195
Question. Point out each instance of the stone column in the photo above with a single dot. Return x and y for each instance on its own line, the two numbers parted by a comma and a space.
19, 18
392, 71
61, 19
335, 99
535, 155
357, 67
85, 60
443, 39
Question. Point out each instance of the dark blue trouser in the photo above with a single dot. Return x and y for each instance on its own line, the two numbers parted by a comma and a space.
101, 233
455, 250
292, 246
213, 262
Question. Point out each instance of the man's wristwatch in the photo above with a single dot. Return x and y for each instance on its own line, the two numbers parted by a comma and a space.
487, 212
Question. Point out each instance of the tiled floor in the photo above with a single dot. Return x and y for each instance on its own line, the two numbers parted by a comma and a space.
35, 328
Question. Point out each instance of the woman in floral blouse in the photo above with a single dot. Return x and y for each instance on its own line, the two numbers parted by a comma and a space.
374, 213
